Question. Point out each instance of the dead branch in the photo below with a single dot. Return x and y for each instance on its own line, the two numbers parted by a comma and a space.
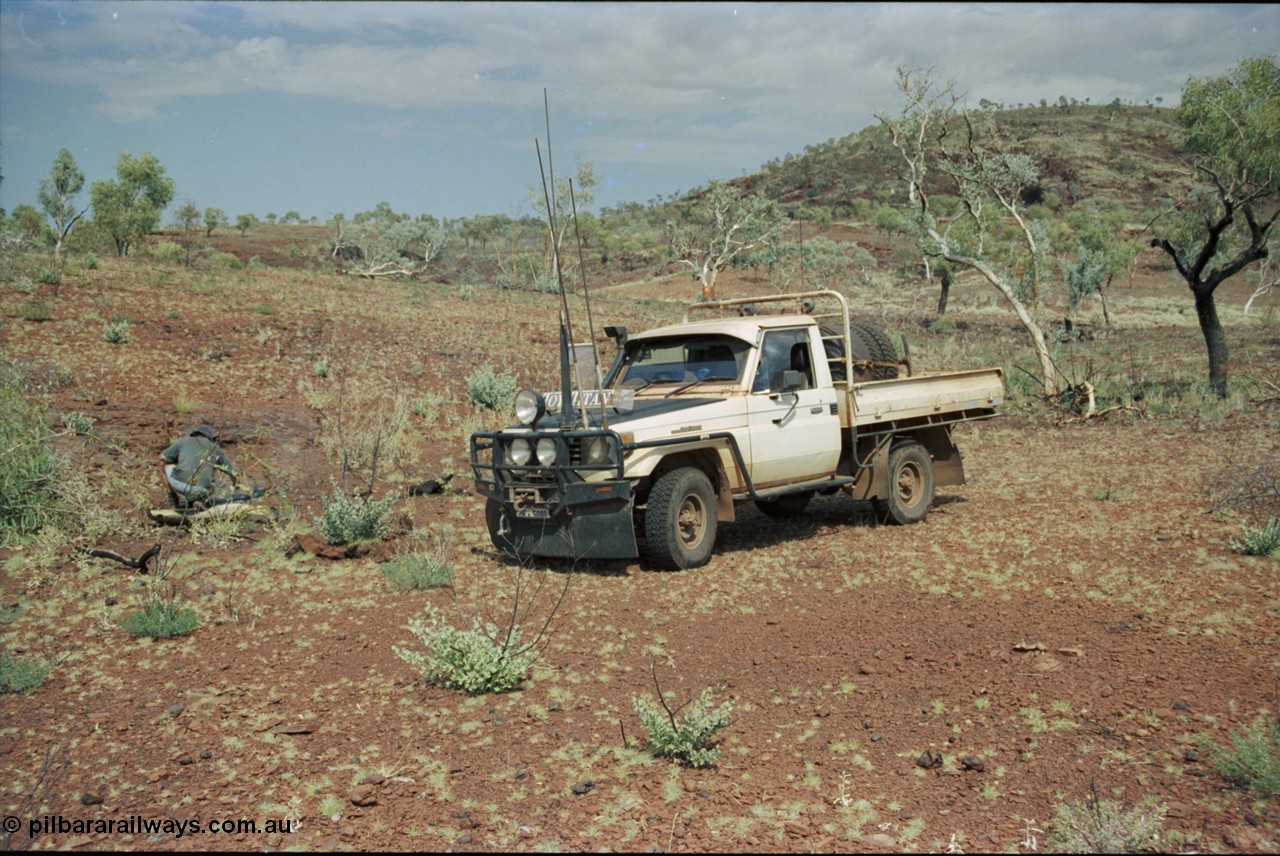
385, 269
1254, 491
1274, 395
139, 564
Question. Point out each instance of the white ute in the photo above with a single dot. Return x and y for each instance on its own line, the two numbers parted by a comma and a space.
762, 399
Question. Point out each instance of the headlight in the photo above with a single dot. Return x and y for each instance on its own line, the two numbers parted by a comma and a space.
530, 407
519, 452
595, 450
547, 451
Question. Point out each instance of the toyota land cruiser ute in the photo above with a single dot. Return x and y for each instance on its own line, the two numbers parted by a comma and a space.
769, 400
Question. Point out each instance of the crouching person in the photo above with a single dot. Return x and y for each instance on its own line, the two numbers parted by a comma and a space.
191, 466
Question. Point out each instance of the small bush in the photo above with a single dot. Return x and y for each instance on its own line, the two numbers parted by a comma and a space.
1260, 540
37, 310
29, 467
490, 391
90, 261
20, 674
169, 253
116, 332
418, 571
350, 518
1253, 760
161, 615
228, 261
942, 325
48, 276
688, 740
483, 659
1104, 826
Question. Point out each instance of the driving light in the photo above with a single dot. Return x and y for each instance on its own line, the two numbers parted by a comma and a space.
546, 451
519, 452
530, 407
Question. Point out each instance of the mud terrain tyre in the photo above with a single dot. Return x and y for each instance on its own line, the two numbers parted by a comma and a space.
910, 485
871, 344
680, 520
789, 505
867, 344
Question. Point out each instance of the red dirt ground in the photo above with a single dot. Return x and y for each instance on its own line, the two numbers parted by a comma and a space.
1071, 622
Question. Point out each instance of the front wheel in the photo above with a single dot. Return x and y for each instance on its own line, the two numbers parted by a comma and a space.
910, 485
680, 520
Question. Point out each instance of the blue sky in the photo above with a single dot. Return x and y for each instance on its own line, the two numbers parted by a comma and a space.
325, 108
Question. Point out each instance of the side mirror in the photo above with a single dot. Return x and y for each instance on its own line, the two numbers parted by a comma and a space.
788, 380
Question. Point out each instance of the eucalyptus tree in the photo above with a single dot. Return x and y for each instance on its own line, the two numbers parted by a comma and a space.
934, 130
1226, 223
129, 206
723, 227
57, 190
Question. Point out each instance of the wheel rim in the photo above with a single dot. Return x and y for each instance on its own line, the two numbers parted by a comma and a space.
910, 483
691, 521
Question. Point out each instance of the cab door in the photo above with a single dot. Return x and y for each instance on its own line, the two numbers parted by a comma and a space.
795, 434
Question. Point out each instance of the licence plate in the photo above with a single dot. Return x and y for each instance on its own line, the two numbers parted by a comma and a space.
534, 513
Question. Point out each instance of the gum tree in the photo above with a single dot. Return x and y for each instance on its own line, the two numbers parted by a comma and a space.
57, 190
990, 182
723, 228
1224, 225
129, 206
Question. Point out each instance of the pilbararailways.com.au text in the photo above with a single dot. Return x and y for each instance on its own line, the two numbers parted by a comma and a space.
52, 824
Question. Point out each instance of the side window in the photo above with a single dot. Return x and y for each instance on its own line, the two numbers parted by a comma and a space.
783, 350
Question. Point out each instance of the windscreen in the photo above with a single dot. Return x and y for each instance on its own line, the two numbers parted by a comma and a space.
683, 359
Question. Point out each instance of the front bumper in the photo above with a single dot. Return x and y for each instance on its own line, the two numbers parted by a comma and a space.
570, 509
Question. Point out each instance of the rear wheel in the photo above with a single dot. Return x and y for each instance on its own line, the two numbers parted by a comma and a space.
790, 505
680, 519
910, 484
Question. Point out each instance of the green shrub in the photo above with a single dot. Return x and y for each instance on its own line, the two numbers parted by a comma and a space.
37, 310
351, 518
1260, 540
169, 253
942, 325
490, 391
226, 260
1104, 826
483, 659
48, 276
20, 674
688, 740
161, 615
116, 332
1253, 759
90, 261
28, 465
418, 571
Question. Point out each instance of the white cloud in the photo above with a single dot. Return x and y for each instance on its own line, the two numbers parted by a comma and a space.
697, 88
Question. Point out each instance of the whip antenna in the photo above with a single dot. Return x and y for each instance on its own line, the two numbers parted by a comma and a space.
567, 356
586, 297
